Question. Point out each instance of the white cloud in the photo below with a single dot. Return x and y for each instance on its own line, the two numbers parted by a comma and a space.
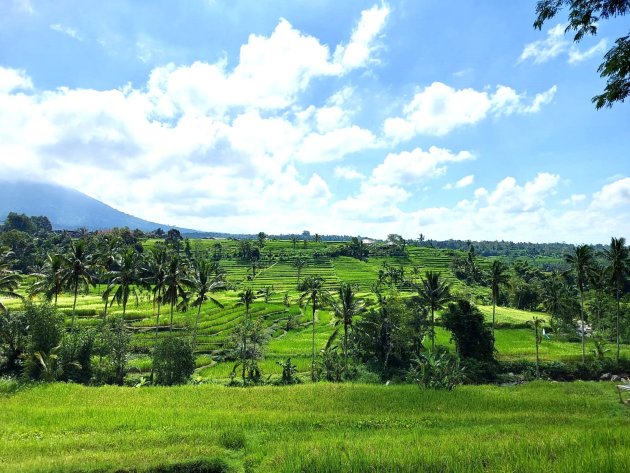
66, 30
613, 195
410, 167
334, 145
576, 56
555, 44
574, 199
14, 79
546, 49
439, 109
348, 172
360, 50
200, 145
463, 182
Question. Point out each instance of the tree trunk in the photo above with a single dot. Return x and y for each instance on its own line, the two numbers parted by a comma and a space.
582, 322
494, 309
313, 342
196, 325
537, 358
245, 328
618, 338
172, 309
345, 346
74, 304
432, 330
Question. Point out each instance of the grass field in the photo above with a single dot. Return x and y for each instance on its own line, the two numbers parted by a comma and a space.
320, 427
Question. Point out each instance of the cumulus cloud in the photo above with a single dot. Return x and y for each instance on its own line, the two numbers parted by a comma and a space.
615, 194
555, 44
200, 145
348, 172
511, 210
410, 167
463, 182
14, 79
359, 51
439, 109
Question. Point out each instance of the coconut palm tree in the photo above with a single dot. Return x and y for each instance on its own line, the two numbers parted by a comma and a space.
498, 277
618, 258
154, 277
49, 281
346, 307
76, 271
9, 280
313, 291
298, 263
434, 293
537, 324
123, 280
205, 281
581, 261
245, 298
176, 285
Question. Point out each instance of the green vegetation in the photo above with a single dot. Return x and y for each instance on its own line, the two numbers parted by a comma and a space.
285, 315
316, 427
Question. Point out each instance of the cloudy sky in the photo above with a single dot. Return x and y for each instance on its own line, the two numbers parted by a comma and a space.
337, 117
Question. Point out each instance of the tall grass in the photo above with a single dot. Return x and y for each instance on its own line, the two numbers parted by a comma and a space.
317, 427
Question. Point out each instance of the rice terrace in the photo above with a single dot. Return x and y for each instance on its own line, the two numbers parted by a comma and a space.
396, 239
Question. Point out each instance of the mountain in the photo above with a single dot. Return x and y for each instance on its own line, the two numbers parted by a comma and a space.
67, 209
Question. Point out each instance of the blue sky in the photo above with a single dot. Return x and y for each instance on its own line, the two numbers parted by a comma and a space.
337, 117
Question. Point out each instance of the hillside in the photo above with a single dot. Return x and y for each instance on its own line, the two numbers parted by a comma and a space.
66, 208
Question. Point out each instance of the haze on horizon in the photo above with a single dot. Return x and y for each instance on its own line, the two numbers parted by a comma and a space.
362, 118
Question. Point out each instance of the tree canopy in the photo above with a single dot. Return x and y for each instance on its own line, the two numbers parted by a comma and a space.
584, 16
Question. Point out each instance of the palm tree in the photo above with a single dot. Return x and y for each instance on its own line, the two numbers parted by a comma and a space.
9, 280
109, 253
49, 280
176, 285
299, 263
77, 265
434, 292
155, 277
618, 258
346, 308
537, 324
312, 289
245, 298
294, 240
205, 281
498, 277
123, 281
581, 262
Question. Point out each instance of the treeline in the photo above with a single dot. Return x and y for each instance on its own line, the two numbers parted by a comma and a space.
385, 334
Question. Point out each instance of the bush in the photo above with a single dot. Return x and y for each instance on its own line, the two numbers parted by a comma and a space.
173, 361
289, 372
13, 339
44, 342
114, 346
439, 370
472, 338
76, 356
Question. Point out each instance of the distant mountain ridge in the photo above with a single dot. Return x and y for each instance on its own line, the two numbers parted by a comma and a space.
68, 209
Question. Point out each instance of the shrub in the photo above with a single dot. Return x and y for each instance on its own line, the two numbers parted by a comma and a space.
13, 339
173, 361
76, 356
44, 342
472, 338
289, 372
439, 370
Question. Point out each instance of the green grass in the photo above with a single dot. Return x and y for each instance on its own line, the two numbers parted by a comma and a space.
317, 427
